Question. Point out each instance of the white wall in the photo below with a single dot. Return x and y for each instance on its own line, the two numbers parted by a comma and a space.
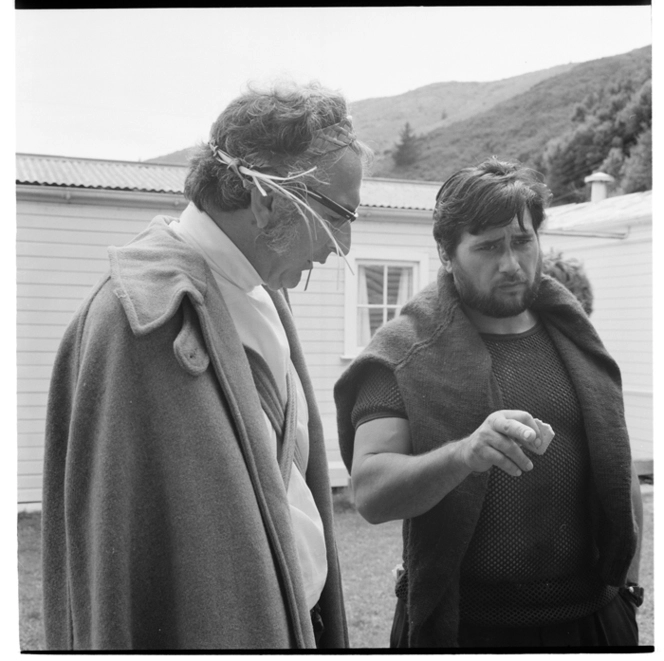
61, 252
320, 311
620, 272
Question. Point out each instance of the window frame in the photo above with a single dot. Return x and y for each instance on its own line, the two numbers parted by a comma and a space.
418, 259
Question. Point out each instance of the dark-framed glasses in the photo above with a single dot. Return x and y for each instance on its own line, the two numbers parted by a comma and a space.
344, 213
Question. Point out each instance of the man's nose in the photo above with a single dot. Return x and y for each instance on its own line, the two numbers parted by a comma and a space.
508, 262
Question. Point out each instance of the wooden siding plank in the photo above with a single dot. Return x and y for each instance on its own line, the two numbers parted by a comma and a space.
31, 441
35, 402
32, 372
40, 249
51, 263
90, 237
68, 222
45, 290
45, 303
30, 467
29, 344
32, 358
33, 331
30, 482
29, 496
34, 426
34, 385
72, 278
43, 317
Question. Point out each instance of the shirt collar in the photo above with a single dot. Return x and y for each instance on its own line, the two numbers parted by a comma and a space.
223, 256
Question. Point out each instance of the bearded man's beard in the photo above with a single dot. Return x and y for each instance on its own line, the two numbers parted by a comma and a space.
491, 305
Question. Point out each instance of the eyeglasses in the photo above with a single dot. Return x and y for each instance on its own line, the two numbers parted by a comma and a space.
346, 214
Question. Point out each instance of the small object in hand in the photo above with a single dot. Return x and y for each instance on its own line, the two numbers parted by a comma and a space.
545, 434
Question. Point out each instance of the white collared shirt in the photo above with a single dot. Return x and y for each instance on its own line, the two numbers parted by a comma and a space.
259, 327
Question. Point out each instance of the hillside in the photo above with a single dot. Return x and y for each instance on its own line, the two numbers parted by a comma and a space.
511, 118
378, 121
519, 127
180, 157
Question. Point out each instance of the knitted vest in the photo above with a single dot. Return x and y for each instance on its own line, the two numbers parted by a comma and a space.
443, 370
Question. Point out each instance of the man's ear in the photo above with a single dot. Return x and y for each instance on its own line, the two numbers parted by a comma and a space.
262, 207
445, 260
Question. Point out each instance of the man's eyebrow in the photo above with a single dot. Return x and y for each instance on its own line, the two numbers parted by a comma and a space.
488, 242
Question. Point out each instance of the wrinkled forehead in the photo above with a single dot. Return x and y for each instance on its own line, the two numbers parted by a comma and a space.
513, 228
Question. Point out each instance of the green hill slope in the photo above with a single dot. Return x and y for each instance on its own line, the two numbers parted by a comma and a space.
378, 121
460, 124
519, 127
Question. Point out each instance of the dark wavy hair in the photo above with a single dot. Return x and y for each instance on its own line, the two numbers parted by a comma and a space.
270, 131
486, 196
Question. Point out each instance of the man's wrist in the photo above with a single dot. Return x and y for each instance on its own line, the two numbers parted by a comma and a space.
634, 592
460, 459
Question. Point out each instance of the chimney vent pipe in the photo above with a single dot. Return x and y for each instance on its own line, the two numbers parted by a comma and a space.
599, 183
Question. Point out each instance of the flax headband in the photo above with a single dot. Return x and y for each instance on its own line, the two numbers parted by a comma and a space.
329, 139
333, 138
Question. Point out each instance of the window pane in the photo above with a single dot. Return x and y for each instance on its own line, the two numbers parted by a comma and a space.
376, 319
391, 313
399, 284
363, 327
373, 276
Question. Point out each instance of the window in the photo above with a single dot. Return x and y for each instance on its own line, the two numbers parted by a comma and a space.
383, 280
381, 291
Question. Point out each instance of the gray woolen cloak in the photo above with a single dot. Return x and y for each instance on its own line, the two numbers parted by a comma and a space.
165, 518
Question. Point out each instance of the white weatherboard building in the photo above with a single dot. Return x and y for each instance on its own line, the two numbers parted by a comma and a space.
613, 239
70, 210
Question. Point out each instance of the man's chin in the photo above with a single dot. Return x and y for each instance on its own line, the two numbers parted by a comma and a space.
290, 280
497, 308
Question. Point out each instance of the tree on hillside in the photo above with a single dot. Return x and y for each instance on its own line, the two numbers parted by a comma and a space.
406, 152
611, 134
636, 172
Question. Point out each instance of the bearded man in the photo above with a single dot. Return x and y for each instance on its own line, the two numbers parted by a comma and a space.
187, 503
511, 538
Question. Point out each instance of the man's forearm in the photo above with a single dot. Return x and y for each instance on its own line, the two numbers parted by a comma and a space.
390, 486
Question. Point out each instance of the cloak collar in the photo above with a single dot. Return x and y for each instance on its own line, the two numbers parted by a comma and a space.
153, 272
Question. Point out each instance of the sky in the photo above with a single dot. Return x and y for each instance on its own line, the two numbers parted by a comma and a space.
133, 84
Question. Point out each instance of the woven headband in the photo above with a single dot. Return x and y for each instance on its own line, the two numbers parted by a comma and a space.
329, 139
333, 138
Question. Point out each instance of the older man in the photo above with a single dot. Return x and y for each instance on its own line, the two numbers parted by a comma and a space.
512, 538
186, 497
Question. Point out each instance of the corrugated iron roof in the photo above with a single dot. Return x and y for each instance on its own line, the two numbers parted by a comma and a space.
618, 209
100, 174
40, 170
399, 194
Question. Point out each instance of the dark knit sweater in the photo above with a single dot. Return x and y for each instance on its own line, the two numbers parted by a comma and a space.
530, 561
444, 373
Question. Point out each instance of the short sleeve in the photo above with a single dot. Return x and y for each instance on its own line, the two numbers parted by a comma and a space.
378, 397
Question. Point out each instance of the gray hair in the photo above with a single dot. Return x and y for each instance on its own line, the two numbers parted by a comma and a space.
272, 131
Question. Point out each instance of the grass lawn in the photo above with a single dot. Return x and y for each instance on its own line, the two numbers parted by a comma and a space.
367, 555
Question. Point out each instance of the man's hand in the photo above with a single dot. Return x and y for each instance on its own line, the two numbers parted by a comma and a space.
390, 482
497, 442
